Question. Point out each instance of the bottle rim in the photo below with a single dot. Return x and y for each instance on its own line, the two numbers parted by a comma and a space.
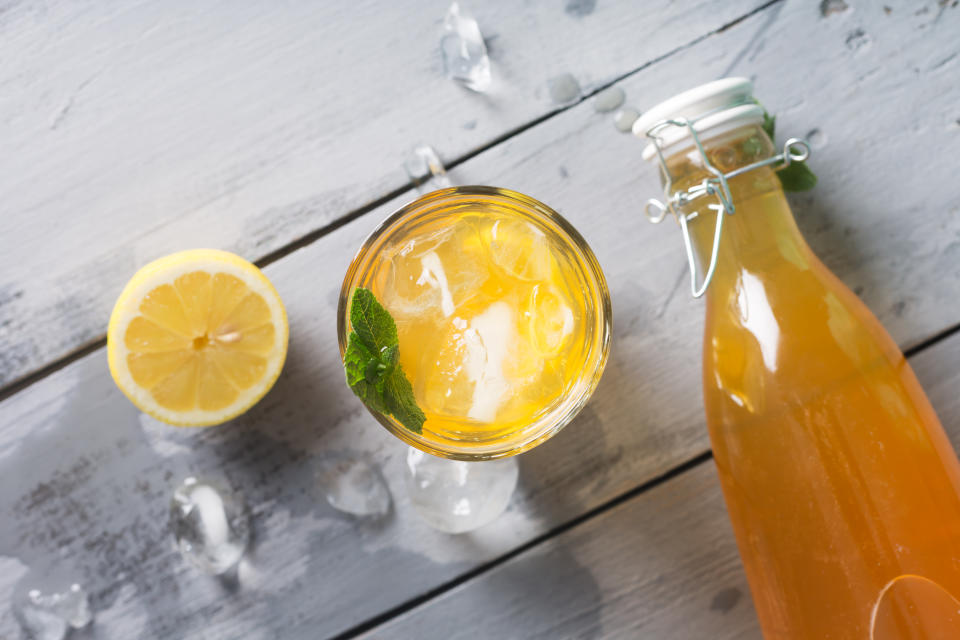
713, 108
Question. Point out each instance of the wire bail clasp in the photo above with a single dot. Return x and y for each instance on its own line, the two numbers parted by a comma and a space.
794, 150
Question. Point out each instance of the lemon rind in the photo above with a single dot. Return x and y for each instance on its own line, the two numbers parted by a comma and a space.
164, 271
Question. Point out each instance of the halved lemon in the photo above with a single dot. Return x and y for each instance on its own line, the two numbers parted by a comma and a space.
197, 337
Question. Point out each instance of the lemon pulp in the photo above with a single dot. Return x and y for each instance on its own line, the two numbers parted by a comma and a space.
197, 337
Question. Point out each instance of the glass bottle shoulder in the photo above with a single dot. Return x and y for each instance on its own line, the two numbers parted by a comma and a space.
777, 316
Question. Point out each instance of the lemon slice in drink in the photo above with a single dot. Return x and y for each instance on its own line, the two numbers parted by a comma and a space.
197, 337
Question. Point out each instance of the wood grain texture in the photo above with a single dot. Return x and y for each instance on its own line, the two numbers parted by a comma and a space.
131, 129
661, 565
90, 479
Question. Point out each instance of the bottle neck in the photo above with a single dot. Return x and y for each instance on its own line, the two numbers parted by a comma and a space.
761, 233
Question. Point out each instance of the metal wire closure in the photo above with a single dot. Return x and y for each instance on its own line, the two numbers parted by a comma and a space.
794, 150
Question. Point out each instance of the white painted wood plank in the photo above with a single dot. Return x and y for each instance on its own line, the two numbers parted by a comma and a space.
131, 130
661, 565
885, 215
75, 447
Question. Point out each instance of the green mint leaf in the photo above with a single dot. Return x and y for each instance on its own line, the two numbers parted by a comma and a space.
382, 366
355, 362
769, 123
797, 177
375, 371
390, 355
398, 394
371, 363
371, 321
752, 147
356, 359
371, 395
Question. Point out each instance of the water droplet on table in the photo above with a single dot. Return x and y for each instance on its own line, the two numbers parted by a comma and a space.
564, 89
456, 497
828, 7
46, 613
353, 486
816, 138
425, 168
623, 120
210, 525
608, 99
464, 52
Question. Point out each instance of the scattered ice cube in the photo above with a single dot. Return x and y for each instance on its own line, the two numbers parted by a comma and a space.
210, 525
40, 624
608, 99
353, 486
623, 120
464, 52
48, 612
456, 497
72, 605
425, 169
564, 89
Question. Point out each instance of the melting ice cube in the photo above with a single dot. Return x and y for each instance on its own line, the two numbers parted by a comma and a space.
465, 377
521, 250
210, 525
455, 496
608, 99
353, 486
435, 276
464, 52
425, 169
47, 614
435, 273
496, 331
564, 89
624, 118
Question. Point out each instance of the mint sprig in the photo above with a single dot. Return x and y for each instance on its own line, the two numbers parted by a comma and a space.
796, 176
372, 362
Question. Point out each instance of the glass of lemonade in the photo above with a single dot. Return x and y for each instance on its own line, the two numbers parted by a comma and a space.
503, 316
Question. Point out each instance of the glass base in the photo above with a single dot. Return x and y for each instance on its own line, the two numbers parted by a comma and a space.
455, 496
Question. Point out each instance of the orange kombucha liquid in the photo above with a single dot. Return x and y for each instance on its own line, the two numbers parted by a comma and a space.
843, 490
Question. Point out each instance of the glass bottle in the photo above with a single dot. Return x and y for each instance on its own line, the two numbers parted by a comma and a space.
843, 490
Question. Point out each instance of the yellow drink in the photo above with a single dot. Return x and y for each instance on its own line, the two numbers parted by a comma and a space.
499, 331
502, 313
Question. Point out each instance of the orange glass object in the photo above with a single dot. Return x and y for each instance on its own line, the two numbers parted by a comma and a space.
843, 489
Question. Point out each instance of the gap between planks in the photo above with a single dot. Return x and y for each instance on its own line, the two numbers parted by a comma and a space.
17, 385
463, 578
683, 467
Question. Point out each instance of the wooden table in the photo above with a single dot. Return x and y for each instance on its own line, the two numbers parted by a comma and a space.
279, 131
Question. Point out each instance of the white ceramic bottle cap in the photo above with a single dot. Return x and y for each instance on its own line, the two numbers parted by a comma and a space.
713, 108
